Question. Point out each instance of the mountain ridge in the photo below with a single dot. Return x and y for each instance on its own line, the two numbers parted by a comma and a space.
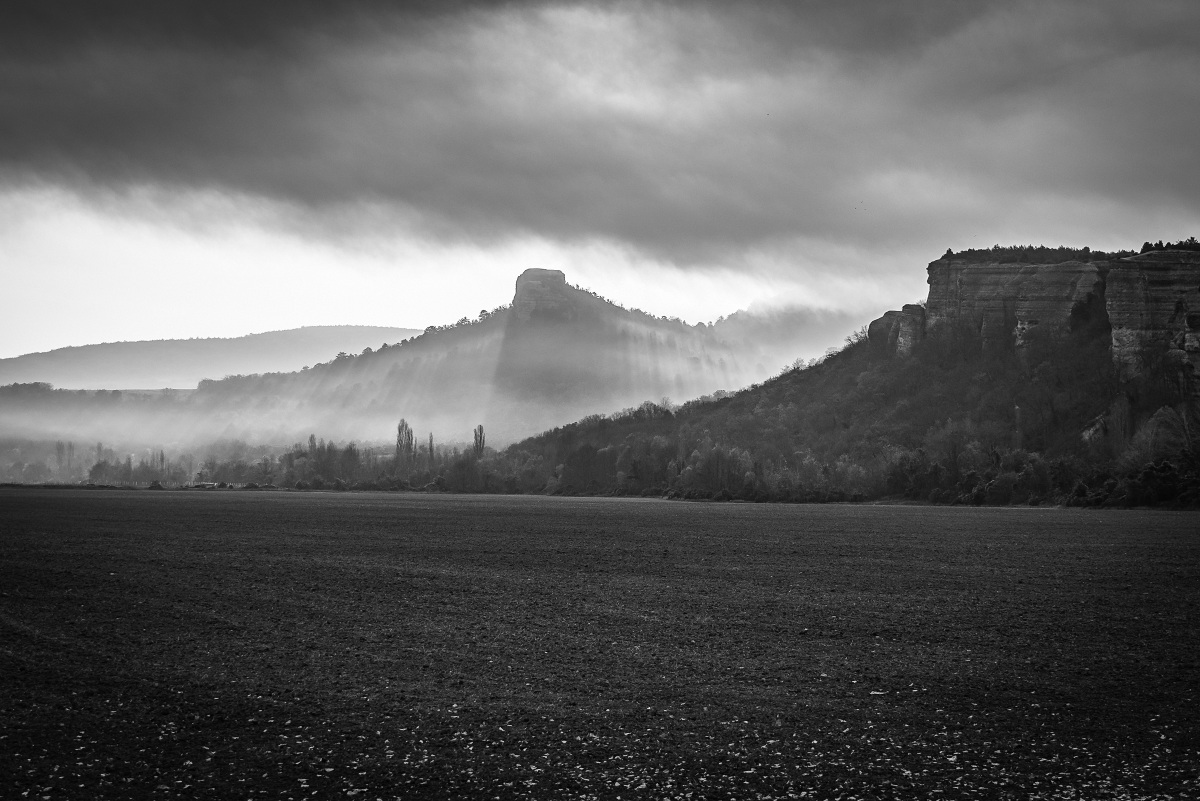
557, 353
1014, 382
1011, 383
183, 363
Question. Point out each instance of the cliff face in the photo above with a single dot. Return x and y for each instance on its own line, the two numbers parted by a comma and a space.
1006, 303
896, 332
1151, 302
541, 294
1154, 309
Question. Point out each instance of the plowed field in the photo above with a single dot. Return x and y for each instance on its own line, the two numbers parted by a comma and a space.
288, 645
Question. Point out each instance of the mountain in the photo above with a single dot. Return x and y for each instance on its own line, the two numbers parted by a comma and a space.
556, 354
182, 363
1017, 381
1148, 301
1028, 375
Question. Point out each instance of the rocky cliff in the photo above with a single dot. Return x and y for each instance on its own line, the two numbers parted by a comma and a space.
897, 332
1150, 301
1004, 304
541, 294
1153, 304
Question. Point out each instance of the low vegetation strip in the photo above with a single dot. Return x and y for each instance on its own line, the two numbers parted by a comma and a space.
377, 645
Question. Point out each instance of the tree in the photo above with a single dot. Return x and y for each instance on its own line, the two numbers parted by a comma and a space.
479, 440
404, 445
349, 463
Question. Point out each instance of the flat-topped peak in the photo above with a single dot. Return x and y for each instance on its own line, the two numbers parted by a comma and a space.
542, 276
540, 291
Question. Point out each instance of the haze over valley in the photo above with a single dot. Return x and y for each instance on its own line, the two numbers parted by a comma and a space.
175, 173
555, 354
551, 399
182, 364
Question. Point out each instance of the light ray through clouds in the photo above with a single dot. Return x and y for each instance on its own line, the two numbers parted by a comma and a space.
219, 275
688, 159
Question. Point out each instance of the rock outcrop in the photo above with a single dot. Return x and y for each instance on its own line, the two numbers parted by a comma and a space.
896, 332
541, 294
1153, 305
1150, 301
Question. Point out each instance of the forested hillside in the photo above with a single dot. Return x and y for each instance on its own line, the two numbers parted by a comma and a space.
953, 423
1034, 383
956, 422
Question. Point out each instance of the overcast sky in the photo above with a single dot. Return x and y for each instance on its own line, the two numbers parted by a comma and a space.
215, 168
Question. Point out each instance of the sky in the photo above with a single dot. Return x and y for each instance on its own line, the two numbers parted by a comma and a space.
216, 168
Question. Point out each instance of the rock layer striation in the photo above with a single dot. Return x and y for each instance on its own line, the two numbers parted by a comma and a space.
1154, 309
1004, 304
1151, 302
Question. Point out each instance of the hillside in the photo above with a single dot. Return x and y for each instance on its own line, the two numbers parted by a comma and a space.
183, 363
1015, 382
557, 353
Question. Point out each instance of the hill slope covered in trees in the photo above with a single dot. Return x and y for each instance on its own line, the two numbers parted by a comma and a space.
990, 405
1017, 382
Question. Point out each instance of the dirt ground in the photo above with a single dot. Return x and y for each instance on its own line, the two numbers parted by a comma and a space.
287, 645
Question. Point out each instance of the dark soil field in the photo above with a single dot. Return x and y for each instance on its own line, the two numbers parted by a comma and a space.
286, 645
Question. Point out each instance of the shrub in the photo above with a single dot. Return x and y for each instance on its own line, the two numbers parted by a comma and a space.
999, 490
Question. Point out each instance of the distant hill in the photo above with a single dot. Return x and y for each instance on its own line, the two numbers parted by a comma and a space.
183, 363
557, 353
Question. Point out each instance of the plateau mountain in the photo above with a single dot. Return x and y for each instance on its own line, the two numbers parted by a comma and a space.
1028, 375
557, 353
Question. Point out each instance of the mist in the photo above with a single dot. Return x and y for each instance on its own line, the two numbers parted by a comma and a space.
558, 353
182, 364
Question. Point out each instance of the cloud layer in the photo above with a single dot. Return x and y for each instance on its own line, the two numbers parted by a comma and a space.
695, 134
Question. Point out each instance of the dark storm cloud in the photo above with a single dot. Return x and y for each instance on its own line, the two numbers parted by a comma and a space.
41, 27
684, 130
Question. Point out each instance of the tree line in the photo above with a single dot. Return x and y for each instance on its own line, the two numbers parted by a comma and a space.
1041, 254
1034, 254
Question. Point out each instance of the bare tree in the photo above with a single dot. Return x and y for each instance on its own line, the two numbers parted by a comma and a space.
479, 440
